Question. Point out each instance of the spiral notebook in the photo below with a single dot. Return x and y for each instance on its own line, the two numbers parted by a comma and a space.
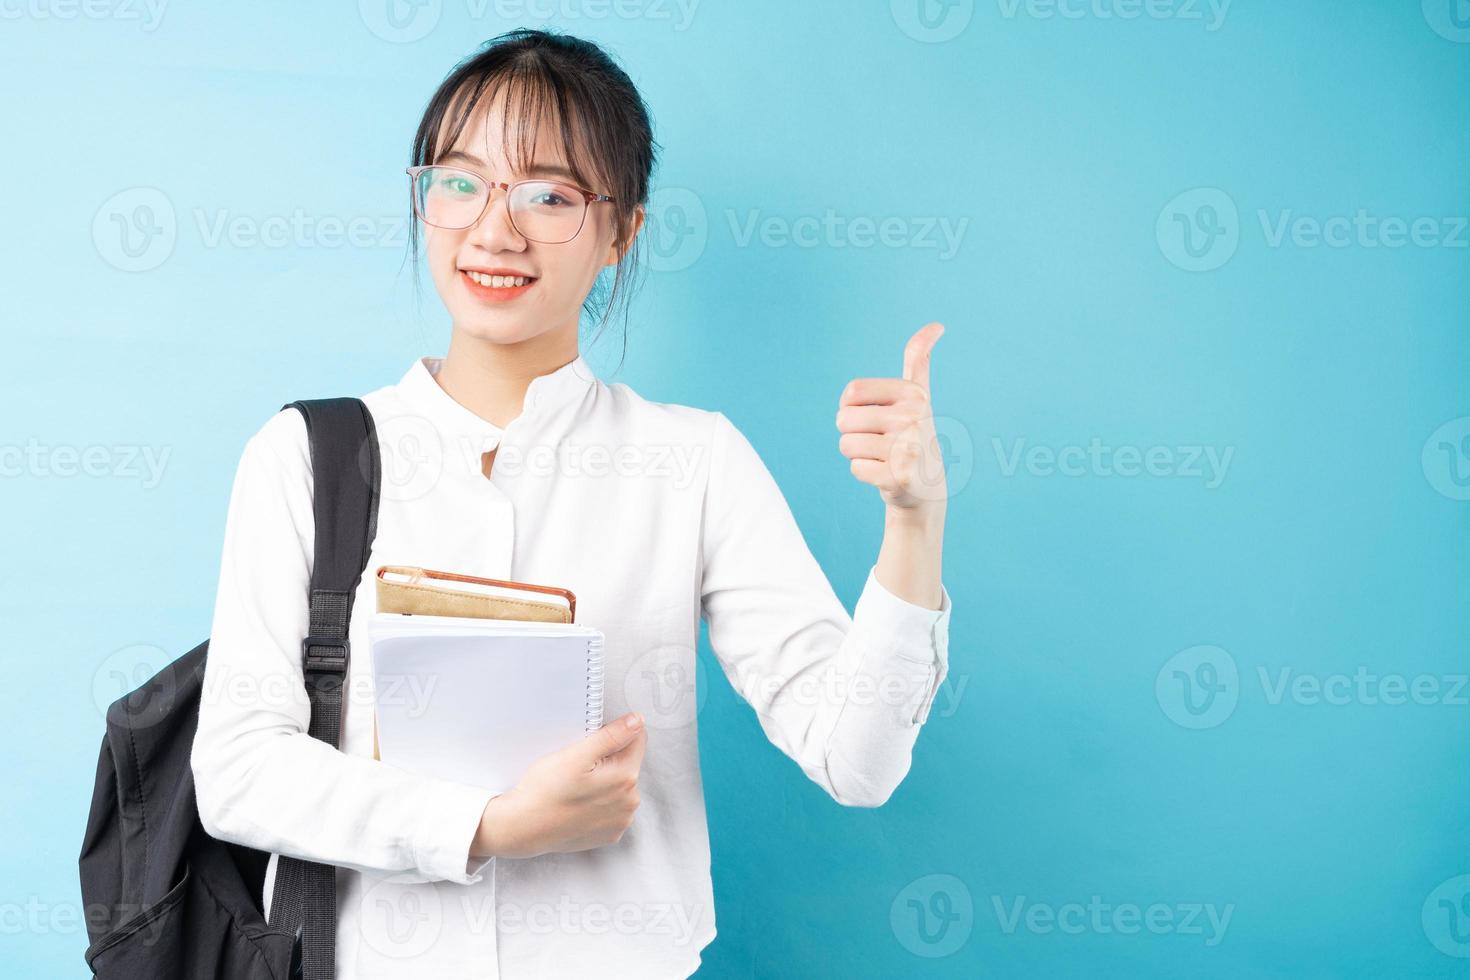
478, 700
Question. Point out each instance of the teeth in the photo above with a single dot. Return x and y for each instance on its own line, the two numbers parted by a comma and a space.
498, 282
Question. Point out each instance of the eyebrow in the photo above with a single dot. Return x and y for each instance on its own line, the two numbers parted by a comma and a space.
535, 170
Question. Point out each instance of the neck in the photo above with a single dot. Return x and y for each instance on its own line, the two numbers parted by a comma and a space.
491, 379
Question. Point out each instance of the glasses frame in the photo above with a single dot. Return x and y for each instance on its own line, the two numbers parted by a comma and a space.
589, 199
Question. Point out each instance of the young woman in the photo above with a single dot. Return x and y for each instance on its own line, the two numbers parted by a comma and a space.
507, 458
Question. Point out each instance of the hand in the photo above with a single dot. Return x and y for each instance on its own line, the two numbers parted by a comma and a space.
887, 428
575, 799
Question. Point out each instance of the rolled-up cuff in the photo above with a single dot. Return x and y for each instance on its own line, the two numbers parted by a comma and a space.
900, 635
451, 818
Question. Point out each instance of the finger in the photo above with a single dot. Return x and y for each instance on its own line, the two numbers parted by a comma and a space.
869, 418
611, 737
864, 445
625, 762
630, 756
876, 472
875, 391
916, 353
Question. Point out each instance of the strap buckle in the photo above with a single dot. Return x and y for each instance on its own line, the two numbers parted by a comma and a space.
324, 655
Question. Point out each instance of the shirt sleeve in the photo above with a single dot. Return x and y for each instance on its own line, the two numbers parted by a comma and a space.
260, 779
842, 696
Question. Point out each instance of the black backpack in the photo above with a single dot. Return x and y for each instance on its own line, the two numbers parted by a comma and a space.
164, 900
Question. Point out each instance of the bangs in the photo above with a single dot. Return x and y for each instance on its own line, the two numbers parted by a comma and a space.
532, 96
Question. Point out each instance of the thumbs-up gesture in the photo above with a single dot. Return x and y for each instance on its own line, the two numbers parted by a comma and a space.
887, 427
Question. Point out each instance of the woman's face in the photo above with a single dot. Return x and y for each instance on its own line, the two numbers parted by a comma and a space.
562, 274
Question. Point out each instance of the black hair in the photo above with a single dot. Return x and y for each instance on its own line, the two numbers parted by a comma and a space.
603, 123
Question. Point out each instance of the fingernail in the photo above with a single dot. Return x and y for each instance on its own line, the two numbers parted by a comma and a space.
634, 721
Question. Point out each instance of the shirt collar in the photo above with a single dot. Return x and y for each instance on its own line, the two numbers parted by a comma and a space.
546, 394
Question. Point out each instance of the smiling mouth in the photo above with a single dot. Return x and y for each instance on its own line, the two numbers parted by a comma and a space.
497, 282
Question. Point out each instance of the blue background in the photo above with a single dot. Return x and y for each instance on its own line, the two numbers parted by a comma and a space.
1054, 768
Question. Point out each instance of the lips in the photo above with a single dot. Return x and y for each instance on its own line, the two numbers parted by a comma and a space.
497, 286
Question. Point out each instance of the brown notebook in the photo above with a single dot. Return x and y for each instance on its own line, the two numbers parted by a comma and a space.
417, 591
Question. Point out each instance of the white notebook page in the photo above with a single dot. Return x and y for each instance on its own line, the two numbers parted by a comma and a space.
477, 701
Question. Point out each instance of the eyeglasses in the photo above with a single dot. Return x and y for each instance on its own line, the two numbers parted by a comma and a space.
548, 211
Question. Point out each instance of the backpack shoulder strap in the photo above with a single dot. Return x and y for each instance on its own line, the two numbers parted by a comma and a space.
346, 475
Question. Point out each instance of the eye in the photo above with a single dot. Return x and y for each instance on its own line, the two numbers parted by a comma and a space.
457, 184
551, 196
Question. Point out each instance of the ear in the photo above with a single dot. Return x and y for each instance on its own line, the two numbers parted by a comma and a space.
619, 248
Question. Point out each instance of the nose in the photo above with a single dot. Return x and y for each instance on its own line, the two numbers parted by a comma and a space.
494, 231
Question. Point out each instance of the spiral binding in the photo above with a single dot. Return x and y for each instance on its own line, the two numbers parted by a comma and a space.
594, 683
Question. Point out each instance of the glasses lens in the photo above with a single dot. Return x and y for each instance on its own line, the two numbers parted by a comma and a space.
546, 211
449, 198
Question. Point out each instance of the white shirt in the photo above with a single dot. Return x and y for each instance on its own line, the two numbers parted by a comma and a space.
651, 514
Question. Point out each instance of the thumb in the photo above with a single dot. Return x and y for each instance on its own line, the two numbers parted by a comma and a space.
611, 737
916, 353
